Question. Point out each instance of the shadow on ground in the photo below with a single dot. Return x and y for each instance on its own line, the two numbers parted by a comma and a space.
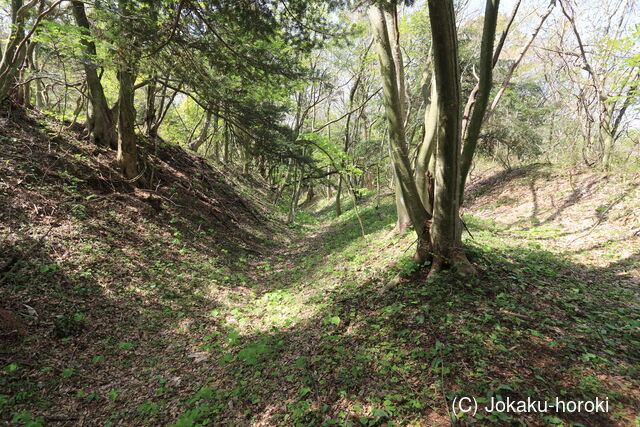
532, 325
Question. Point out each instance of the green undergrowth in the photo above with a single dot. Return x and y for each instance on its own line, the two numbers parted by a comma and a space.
153, 319
532, 324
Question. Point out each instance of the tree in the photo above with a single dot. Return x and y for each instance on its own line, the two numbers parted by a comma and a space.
446, 221
127, 46
394, 113
102, 123
16, 49
480, 99
443, 236
601, 74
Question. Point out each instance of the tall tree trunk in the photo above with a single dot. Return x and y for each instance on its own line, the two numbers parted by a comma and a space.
471, 132
217, 147
607, 133
127, 148
150, 113
403, 221
610, 126
102, 122
165, 105
204, 133
214, 136
32, 69
284, 182
391, 22
338, 196
227, 136
295, 197
608, 140
446, 220
35, 68
22, 92
392, 102
427, 148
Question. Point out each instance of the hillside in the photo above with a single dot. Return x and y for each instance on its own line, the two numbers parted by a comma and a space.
320, 213
88, 259
592, 217
193, 303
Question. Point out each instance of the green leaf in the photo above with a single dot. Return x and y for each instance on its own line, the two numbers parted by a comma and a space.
12, 367
379, 413
304, 391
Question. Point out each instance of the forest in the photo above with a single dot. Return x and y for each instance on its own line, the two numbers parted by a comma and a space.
320, 212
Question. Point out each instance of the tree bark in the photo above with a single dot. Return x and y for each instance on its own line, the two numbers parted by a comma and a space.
149, 127
295, 196
227, 136
427, 148
471, 132
392, 102
13, 54
204, 133
103, 126
338, 196
127, 148
445, 238
608, 139
40, 99
403, 221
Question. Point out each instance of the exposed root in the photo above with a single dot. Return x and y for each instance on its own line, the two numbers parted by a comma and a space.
420, 256
461, 265
436, 267
401, 228
395, 281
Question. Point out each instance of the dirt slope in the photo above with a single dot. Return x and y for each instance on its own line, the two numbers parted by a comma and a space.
593, 217
87, 258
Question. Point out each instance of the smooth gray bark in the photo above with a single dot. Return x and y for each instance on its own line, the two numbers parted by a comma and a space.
427, 148
403, 220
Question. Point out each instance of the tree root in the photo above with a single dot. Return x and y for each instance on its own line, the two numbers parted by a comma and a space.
420, 257
395, 281
401, 228
436, 267
423, 249
461, 265
462, 268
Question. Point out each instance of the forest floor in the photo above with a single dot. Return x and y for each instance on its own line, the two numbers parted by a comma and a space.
193, 303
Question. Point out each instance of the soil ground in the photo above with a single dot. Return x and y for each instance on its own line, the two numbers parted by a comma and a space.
192, 302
